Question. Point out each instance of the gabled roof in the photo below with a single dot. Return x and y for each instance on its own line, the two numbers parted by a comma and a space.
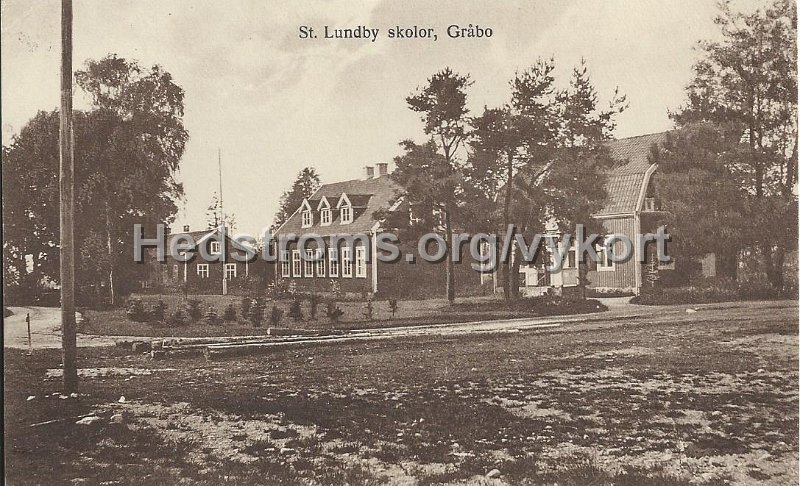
323, 202
626, 180
201, 237
367, 196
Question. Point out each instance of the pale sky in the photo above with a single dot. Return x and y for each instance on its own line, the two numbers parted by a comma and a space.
274, 103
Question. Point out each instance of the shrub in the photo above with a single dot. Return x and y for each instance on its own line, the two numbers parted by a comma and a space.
367, 310
229, 315
158, 312
296, 310
393, 306
178, 318
278, 289
333, 312
256, 314
313, 302
193, 309
211, 316
275, 316
335, 288
245, 307
711, 291
135, 310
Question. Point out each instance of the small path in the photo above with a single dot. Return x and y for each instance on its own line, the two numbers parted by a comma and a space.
45, 329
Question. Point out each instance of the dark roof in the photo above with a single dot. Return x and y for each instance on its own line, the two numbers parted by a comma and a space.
366, 195
625, 180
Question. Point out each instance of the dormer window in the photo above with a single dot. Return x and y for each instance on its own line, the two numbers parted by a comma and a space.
346, 214
215, 248
306, 216
324, 208
308, 219
345, 209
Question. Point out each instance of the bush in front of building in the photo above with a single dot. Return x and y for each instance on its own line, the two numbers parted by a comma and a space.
178, 318
211, 316
296, 310
229, 315
158, 312
712, 291
334, 312
275, 316
193, 309
136, 311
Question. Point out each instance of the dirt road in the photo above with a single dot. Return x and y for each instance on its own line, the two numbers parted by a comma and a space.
45, 329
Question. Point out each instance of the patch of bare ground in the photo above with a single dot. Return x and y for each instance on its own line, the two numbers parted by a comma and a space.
673, 403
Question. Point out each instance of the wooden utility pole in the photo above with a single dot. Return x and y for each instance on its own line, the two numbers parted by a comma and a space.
67, 193
222, 222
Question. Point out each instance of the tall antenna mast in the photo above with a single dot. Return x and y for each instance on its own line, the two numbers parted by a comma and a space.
221, 210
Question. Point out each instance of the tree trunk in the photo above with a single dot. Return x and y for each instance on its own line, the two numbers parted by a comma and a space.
450, 286
506, 219
110, 259
515, 266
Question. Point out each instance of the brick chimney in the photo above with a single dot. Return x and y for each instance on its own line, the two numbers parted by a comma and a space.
186, 228
370, 172
383, 169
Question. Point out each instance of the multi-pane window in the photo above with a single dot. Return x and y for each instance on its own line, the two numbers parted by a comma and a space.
361, 262
309, 263
320, 262
230, 270
175, 271
215, 248
325, 217
346, 215
333, 262
285, 263
604, 253
296, 263
347, 262
202, 270
308, 219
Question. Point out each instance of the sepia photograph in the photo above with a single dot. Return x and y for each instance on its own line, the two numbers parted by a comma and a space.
359, 242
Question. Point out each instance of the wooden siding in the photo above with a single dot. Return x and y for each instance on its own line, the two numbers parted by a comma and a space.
624, 274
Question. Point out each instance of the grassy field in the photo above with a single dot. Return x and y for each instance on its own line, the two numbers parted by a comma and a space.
679, 399
409, 313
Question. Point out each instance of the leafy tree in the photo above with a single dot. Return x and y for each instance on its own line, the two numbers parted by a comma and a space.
694, 173
508, 139
127, 150
749, 79
442, 106
575, 182
306, 184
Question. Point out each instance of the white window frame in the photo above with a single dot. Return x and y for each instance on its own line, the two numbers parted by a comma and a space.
216, 248
325, 217
650, 204
307, 218
333, 262
604, 261
320, 263
361, 262
202, 270
296, 264
573, 250
347, 266
286, 264
308, 266
348, 211
230, 271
